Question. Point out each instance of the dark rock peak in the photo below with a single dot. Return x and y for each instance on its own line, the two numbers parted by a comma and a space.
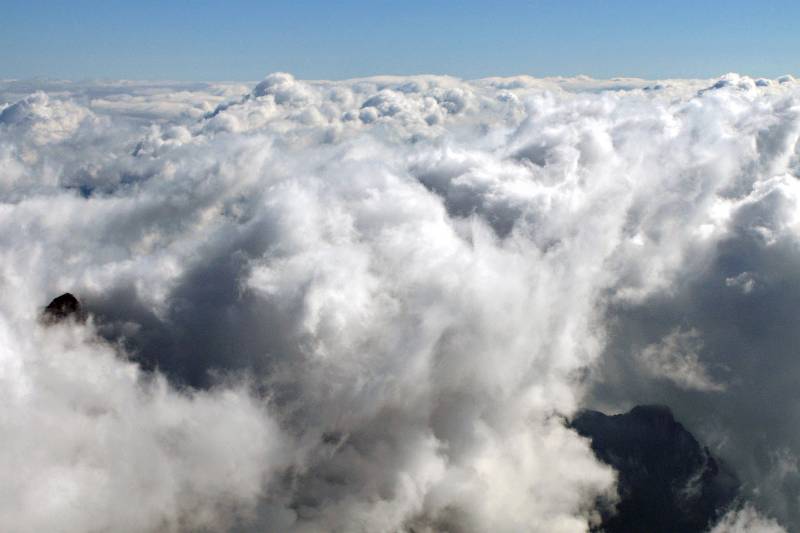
63, 307
667, 481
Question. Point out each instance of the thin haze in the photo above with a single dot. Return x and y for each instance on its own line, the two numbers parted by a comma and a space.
240, 40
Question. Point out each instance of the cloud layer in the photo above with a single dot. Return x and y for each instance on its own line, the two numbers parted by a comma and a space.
369, 305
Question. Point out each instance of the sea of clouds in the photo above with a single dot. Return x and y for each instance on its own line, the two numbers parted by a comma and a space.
371, 305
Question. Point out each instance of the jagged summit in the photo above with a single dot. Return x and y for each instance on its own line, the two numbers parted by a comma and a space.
63, 307
667, 481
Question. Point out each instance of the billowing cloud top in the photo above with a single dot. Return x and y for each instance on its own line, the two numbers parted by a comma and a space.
369, 305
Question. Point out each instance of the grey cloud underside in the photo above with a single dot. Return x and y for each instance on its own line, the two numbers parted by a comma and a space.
369, 305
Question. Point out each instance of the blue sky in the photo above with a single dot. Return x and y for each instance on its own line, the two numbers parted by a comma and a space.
243, 40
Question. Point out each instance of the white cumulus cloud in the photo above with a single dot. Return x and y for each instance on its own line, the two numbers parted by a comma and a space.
369, 305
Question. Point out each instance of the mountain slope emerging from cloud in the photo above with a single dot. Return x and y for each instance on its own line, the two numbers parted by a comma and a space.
667, 481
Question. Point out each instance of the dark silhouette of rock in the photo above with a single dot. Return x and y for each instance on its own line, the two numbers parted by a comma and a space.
667, 482
63, 307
